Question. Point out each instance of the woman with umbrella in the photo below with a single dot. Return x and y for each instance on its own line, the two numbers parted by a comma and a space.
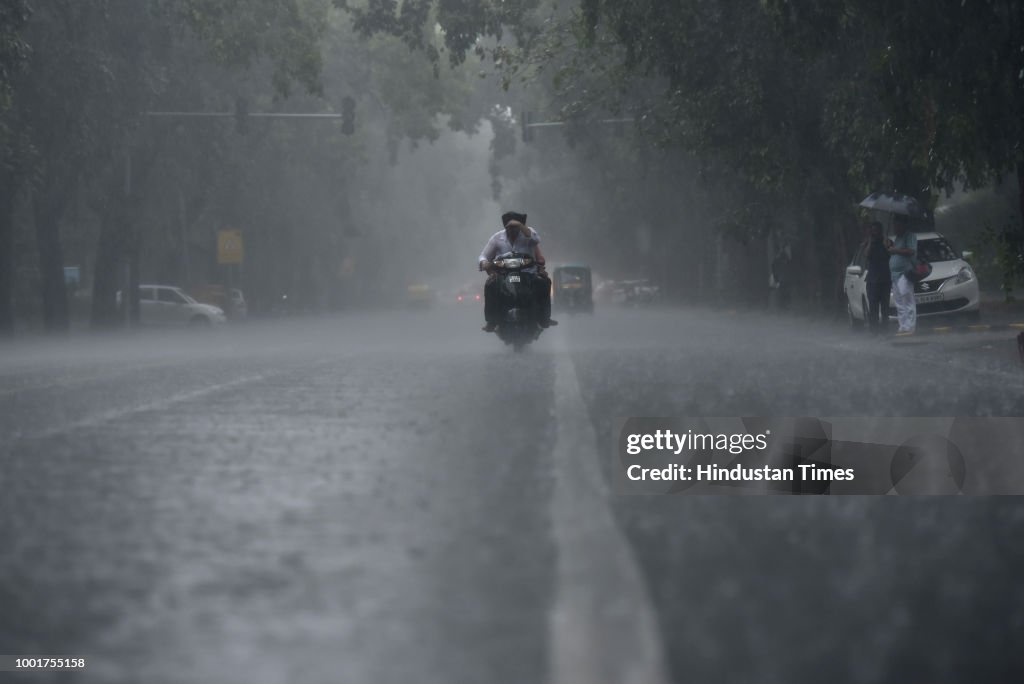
902, 250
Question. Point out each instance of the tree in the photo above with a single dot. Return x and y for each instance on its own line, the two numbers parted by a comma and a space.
462, 23
74, 110
934, 98
14, 15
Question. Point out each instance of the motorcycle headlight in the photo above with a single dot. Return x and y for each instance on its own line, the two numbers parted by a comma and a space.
511, 263
966, 274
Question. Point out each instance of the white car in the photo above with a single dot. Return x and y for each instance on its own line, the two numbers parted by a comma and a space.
166, 305
952, 288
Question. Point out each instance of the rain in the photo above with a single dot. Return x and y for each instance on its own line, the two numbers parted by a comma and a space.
324, 326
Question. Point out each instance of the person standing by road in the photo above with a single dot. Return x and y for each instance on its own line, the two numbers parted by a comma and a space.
878, 281
901, 255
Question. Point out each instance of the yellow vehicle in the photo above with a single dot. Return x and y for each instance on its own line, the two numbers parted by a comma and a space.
419, 296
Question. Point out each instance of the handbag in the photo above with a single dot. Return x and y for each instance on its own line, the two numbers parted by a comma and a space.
919, 270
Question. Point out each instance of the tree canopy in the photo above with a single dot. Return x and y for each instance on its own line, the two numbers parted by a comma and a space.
765, 120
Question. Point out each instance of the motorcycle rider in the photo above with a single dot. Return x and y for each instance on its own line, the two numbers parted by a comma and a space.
515, 236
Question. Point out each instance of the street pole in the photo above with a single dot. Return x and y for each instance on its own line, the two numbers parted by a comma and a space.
183, 228
528, 124
127, 296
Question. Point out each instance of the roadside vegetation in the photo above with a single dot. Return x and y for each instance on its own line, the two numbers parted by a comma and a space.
695, 137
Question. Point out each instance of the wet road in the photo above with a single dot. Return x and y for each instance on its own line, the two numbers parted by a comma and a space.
395, 498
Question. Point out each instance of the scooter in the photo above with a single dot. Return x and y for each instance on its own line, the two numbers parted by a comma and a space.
520, 320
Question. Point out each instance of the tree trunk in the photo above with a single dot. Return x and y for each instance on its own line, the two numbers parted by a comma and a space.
104, 314
1020, 190
51, 264
117, 264
827, 258
7, 193
134, 280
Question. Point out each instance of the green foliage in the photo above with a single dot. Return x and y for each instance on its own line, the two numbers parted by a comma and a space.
461, 23
1003, 256
933, 85
14, 15
812, 103
14, 51
286, 32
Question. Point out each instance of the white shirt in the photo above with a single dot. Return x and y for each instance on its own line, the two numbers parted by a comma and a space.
499, 244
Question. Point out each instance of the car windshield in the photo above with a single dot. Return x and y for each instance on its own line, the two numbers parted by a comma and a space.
185, 296
566, 276
936, 249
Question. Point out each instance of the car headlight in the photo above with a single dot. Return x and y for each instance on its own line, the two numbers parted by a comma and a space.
966, 274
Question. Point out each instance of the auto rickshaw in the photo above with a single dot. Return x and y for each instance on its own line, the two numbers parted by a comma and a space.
571, 289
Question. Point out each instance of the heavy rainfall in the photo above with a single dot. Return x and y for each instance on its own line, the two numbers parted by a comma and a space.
257, 427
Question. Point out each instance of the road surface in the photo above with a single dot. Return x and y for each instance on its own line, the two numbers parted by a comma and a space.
395, 497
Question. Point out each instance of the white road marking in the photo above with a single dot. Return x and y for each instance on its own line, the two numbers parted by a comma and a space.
68, 382
603, 626
114, 414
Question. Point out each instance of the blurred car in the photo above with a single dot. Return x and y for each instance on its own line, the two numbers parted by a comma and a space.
640, 292
471, 292
419, 296
609, 292
952, 287
239, 306
169, 306
230, 300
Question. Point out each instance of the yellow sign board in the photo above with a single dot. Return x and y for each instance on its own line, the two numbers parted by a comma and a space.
229, 247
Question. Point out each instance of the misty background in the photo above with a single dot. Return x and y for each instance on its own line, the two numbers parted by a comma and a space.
688, 142
350, 486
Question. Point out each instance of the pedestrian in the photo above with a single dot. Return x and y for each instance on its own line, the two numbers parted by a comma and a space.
902, 251
878, 280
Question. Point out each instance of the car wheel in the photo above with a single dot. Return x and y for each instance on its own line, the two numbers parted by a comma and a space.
856, 324
199, 322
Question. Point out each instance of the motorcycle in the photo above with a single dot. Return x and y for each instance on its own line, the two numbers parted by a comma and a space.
519, 324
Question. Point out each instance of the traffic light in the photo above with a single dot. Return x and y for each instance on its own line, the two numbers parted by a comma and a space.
527, 131
348, 115
242, 115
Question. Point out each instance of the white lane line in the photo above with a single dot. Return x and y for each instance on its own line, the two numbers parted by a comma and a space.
65, 383
603, 626
114, 414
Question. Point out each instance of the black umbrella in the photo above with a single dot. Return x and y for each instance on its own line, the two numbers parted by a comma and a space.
894, 204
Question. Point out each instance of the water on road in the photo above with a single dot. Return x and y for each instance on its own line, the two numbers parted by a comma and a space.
396, 497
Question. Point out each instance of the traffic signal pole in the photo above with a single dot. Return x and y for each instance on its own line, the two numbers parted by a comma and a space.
529, 125
253, 115
242, 115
